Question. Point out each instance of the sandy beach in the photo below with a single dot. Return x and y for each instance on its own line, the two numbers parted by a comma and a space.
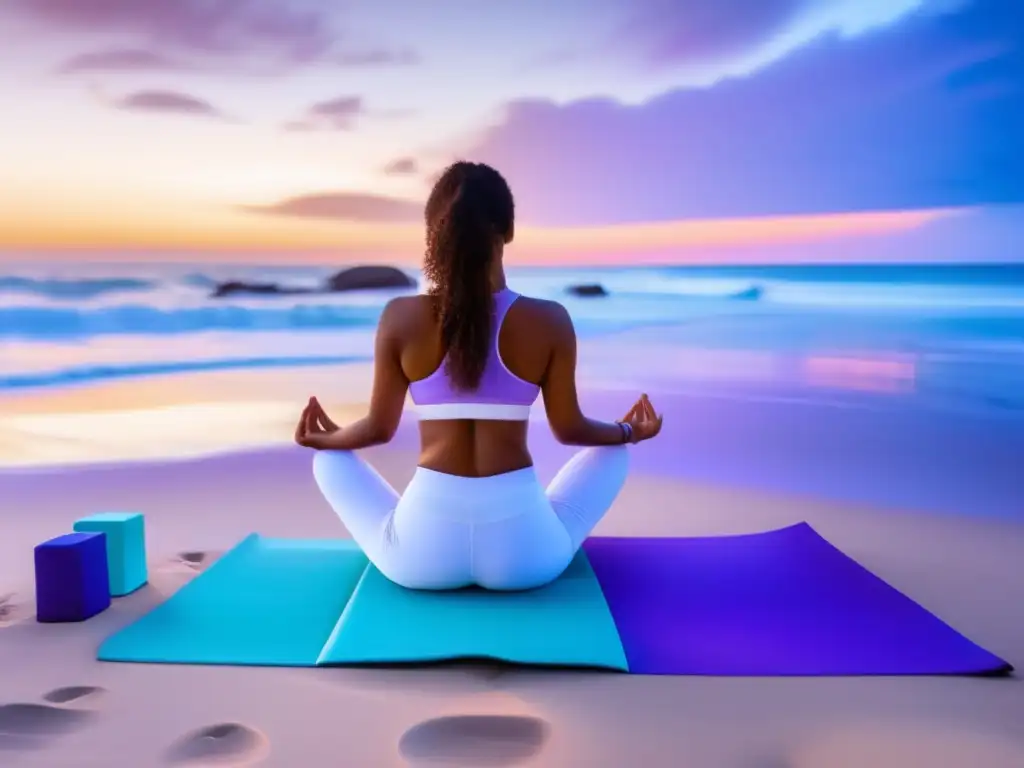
965, 569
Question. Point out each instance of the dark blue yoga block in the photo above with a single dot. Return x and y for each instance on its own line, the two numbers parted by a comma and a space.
72, 580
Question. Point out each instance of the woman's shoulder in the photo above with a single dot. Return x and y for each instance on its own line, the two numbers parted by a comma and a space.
543, 308
409, 305
544, 315
405, 311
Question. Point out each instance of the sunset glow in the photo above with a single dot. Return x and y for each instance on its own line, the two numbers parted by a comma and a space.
249, 234
626, 129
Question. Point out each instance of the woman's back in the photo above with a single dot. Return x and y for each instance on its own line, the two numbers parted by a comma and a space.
479, 432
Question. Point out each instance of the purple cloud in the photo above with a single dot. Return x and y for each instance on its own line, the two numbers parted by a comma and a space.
268, 27
402, 166
169, 102
673, 31
120, 60
339, 111
346, 206
338, 114
260, 35
660, 33
378, 57
927, 112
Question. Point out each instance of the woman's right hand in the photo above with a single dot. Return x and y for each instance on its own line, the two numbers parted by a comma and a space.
643, 420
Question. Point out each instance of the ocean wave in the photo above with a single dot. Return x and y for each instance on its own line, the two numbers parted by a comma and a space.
199, 280
748, 292
73, 289
836, 297
92, 373
49, 322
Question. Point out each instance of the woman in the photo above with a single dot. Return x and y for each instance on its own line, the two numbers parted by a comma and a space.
474, 356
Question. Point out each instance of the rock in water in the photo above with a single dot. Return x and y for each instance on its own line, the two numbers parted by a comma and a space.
587, 289
238, 287
368, 277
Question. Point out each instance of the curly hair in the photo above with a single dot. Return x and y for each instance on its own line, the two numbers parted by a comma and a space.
470, 207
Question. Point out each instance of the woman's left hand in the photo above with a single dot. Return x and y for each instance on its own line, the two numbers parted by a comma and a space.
315, 427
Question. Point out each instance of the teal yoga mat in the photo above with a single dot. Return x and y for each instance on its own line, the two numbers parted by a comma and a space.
267, 602
280, 602
566, 623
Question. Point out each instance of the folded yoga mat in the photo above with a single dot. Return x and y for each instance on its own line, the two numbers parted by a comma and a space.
784, 602
566, 623
267, 602
279, 602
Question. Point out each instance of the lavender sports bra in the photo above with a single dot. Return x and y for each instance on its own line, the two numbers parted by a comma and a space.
501, 395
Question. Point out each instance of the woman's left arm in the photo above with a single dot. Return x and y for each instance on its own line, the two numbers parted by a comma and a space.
390, 386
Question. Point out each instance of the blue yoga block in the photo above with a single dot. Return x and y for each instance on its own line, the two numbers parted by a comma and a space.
72, 581
126, 548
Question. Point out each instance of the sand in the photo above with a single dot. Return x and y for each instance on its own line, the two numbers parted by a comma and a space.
60, 707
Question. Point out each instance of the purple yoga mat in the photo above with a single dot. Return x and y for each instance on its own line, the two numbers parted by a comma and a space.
784, 602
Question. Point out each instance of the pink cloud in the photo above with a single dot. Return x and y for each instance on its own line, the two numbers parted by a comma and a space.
402, 166
168, 102
346, 206
215, 26
338, 114
120, 60
265, 34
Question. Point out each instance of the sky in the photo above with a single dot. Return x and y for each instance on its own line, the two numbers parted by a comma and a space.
679, 131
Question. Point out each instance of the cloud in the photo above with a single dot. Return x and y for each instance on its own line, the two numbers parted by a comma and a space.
346, 206
338, 114
402, 166
120, 60
273, 27
704, 39
264, 35
670, 31
925, 113
169, 102
378, 57
298, 126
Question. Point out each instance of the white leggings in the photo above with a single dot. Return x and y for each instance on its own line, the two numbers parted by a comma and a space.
501, 532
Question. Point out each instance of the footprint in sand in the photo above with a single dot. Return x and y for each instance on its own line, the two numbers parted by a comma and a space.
75, 695
482, 740
197, 560
13, 610
223, 744
171, 574
30, 726
190, 562
25, 725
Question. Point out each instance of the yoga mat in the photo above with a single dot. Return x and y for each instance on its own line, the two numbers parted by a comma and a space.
784, 602
271, 602
566, 623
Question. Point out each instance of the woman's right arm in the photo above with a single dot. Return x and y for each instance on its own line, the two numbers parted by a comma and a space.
567, 421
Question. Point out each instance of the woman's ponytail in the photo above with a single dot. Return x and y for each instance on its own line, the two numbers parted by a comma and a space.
469, 209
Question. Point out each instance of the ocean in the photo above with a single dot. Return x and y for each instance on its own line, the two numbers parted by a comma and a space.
953, 335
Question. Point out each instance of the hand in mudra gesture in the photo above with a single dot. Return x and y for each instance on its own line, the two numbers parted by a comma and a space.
315, 426
643, 419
